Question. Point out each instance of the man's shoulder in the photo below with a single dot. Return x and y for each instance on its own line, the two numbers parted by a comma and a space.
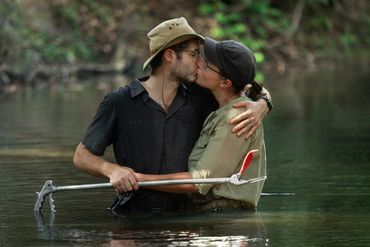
124, 92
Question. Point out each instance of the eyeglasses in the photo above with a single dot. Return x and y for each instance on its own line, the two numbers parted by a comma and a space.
206, 65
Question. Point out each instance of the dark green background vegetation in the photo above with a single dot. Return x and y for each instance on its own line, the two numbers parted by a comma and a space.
113, 32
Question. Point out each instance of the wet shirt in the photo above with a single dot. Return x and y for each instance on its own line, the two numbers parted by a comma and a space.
148, 139
220, 153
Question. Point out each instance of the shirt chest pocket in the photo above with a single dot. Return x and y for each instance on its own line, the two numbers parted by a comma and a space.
203, 140
187, 115
199, 148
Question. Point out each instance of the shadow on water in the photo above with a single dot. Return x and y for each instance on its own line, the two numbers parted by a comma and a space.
317, 140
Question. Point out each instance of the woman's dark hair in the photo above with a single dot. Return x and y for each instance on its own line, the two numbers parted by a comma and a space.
253, 91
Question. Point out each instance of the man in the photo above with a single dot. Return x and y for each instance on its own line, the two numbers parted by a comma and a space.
153, 122
225, 68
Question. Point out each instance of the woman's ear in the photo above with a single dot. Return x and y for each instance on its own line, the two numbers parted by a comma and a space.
226, 83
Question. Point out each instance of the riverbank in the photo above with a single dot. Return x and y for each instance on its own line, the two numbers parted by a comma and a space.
12, 79
52, 42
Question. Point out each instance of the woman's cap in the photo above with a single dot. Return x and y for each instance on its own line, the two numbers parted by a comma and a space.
234, 60
167, 34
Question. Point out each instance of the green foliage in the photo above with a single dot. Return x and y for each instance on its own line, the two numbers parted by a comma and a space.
347, 38
103, 12
52, 49
69, 13
250, 22
205, 9
260, 78
323, 25
86, 31
10, 40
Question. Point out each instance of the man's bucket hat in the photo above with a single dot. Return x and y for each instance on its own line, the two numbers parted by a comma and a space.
167, 34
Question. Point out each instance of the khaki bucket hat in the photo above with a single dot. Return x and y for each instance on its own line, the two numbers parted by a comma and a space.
167, 34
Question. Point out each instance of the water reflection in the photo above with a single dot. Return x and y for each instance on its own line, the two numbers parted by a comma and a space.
45, 230
177, 230
317, 142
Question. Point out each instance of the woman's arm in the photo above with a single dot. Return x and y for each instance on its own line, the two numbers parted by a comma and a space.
181, 188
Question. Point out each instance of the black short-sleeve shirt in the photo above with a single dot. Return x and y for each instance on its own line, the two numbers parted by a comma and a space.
148, 139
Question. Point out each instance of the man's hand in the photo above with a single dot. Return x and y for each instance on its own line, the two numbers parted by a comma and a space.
123, 179
248, 121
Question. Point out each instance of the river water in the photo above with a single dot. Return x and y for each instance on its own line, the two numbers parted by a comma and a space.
318, 147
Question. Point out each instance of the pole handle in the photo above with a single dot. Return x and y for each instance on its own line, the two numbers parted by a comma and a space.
247, 160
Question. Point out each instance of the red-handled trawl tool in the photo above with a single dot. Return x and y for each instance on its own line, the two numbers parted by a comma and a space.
50, 188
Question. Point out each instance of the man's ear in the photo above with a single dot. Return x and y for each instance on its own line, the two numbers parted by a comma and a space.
226, 83
168, 55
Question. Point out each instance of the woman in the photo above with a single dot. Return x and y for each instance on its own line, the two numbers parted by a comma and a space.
226, 68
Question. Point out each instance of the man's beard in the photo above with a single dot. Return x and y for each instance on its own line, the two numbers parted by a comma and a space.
181, 77
181, 74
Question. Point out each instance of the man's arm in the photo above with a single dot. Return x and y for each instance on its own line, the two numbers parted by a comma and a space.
121, 178
248, 121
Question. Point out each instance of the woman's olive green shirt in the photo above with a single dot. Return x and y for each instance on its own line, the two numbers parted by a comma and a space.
220, 153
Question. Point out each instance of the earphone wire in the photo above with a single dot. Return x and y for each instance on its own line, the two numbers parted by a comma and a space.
164, 104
